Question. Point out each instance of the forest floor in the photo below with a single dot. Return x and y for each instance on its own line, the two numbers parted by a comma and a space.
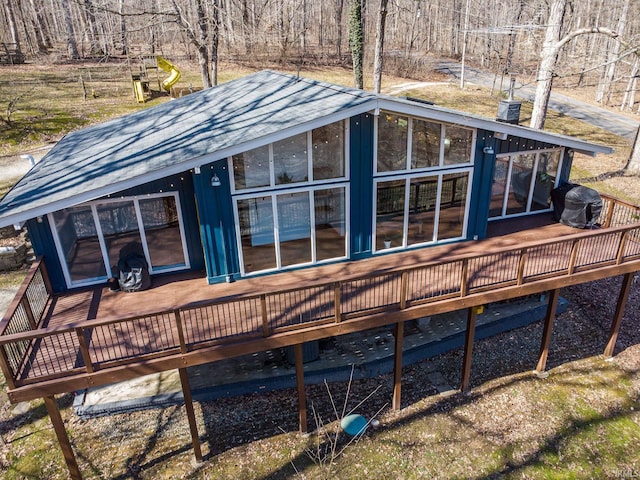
583, 421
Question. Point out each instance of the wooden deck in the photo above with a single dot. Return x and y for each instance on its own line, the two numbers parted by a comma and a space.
95, 336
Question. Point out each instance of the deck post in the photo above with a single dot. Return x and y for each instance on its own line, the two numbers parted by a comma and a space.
472, 315
548, 328
63, 438
191, 416
302, 397
397, 366
627, 281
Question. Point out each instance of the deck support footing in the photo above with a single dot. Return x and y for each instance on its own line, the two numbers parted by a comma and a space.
302, 398
627, 281
552, 306
63, 438
397, 366
472, 315
191, 416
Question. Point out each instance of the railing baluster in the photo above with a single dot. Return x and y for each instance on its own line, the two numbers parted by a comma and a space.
337, 296
621, 246
179, 327
403, 289
84, 350
521, 265
265, 315
463, 277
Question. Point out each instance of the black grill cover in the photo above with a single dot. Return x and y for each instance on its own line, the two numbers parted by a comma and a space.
576, 205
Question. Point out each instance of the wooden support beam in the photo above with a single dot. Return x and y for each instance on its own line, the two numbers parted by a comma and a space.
548, 328
623, 296
302, 397
191, 416
63, 438
397, 366
472, 315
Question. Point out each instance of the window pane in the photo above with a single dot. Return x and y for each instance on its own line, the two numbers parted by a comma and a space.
457, 145
162, 231
290, 160
330, 225
422, 208
498, 187
390, 214
256, 234
425, 144
545, 180
80, 246
251, 169
119, 224
392, 142
294, 228
520, 183
328, 151
453, 202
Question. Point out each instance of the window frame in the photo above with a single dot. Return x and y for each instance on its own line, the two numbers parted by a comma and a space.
103, 246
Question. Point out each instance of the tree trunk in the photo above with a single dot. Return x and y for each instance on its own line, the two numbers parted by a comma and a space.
339, 8
13, 27
92, 31
604, 89
548, 59
356, 42
123, 29
633, 163
72, 46
202, 46
40, 27
379, 53
215, 40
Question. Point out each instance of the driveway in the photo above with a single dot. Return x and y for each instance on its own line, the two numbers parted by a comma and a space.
599, 117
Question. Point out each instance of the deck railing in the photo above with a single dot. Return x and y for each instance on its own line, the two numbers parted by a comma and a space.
25, 314
616, 212
32, 355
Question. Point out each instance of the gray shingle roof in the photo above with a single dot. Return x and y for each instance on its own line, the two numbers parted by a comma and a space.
203, 127
171, 138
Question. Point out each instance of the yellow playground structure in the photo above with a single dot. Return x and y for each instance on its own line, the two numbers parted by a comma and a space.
141, 82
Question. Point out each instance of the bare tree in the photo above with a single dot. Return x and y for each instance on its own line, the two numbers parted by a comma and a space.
633, 163
72, 45
379, 52
356, 41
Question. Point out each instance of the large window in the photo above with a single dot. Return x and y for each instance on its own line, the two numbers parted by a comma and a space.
91, 238
297, 212
522, 182
419, 209
422, 181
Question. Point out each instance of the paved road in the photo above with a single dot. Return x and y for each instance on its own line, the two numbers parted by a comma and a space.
611, 121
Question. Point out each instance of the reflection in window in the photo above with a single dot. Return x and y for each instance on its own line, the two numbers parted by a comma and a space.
545, 180
457, 145
251, 168
119, 224
522, 182
79, 242
392, 142
162, 232
453, 201
390, 214
290, 160
422, 207
425, 144
294, 228
330, 223
328, 151
256, 233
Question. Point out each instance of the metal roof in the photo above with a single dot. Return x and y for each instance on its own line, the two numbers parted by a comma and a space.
203, 127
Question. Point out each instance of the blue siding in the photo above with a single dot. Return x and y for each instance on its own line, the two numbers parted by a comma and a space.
484, 165
42, 242
217, 227
361, 174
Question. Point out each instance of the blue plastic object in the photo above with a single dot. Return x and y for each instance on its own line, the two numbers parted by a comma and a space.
354, 424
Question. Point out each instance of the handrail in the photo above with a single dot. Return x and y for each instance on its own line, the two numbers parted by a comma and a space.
467, 268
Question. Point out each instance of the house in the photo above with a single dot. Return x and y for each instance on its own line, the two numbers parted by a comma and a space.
275, 210
274, 172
